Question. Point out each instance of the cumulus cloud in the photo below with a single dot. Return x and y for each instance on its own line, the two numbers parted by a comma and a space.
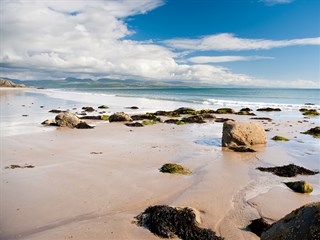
229, 42
275, 2
219, 59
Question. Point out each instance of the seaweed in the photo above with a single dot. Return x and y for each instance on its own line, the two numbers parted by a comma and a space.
290, 170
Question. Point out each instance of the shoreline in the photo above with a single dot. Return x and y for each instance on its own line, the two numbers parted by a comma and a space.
71, 193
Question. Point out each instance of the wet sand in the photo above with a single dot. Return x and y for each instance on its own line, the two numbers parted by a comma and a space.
89, 184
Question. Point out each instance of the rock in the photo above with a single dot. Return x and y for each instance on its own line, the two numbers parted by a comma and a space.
135, 124
301, 224
56, 111
174, 168
315, 132
300, 186
225, 111
223, 119
309, 104
280, 138
92, 117
246, 113
145, 116
49, 122
14, 166
206, 111
8, 83
88, 109
103, 107
167, 113
169, 222
151, 122
67, 119
83, 125
242, 134
258, 226
241, 149
268, 109
193, 119
309, 112
174, 121
245, 110
207, 116
290, 170
133, 107
120, 117
185, 110
262, 118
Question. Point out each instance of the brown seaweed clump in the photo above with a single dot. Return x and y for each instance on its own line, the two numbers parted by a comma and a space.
290, 170
168, 222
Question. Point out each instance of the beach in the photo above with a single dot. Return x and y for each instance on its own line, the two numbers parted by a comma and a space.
91, 183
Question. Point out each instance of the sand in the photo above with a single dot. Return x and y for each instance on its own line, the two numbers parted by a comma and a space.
89, 184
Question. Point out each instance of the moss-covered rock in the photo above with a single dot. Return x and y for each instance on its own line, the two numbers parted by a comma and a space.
193, 119
290, 170
300, 186
120, 117
105, 117
151, 122
174, 168
315, 132
103, 107
225, 111
147, 116
180, 122
185, 110
279, 138
268, 109
311, 113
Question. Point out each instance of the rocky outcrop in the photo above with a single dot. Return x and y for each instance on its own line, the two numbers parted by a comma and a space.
242, 134
300, 186
67, 120
10, 84
169, 222
120, 117
301, 224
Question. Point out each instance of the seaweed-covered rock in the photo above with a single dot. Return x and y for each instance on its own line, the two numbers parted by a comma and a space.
88, 109
208, 116
171, 121
193, 119
167, 113
145, 116
300, 186
245, 110
84, 125
315, 132
301, 224
174, 168
310, 112
241, 149
135, 124
169, 222
280, 138
92, 117
67, 119
151, 122
290, 170
206, 111
242, 134
120, 117
258, 226
268, 109
103, 107
225, 111
185, 110
245, 113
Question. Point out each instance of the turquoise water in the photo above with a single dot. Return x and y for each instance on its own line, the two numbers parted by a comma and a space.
216, 96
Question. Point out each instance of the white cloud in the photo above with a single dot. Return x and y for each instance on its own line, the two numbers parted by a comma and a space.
275, 2
227, 41
219, 59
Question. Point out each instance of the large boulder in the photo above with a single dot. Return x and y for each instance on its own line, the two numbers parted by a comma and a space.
67, 119
242, 134
301, 224
120, 117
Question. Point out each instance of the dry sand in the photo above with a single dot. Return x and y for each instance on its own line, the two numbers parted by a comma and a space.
72, 193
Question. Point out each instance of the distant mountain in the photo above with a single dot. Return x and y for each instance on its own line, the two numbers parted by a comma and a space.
10, 84
79, 80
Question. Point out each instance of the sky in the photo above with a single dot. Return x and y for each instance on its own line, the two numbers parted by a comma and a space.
266, 43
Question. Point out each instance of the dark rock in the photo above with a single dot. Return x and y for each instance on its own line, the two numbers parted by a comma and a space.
88, 109
241, 149
56, 111
223, 119
83, 125
309, 104
185, 110
245, 110
169, 222
268, 109
167, 113
25, 115
135, 124
310, 112
246, 113
145, 116
174, 121
14, 166
92, 117
313, 131
133, 107
301, 224
120, 117
193, 119
262, 118
174, 168
258, 226
206, 111
225, 111
103, 107
300, 186
208, 116
290, 170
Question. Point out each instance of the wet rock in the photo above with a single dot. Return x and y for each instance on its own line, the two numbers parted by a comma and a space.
290, 170
83, 125
241, 149
185, 110
173, 121
120, 117
145, 116
268, 109
309, 112
57, 111
193, 119
301, 224
207, 116
67, 119
169, 222
300, 186
262, 118
280, 138
92, 117
133, 107
206, 111
245, 110
246, 113
103, 107
174, 168
315, 132
88, 109
225, 111
135, 124
242, 134
167, 113
258, 226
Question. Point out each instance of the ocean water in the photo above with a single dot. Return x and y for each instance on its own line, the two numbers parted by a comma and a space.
234, 97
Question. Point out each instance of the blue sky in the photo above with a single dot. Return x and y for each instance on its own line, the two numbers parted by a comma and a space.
220, 42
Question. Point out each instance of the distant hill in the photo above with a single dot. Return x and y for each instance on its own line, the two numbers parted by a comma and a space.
78, 80
10, 84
